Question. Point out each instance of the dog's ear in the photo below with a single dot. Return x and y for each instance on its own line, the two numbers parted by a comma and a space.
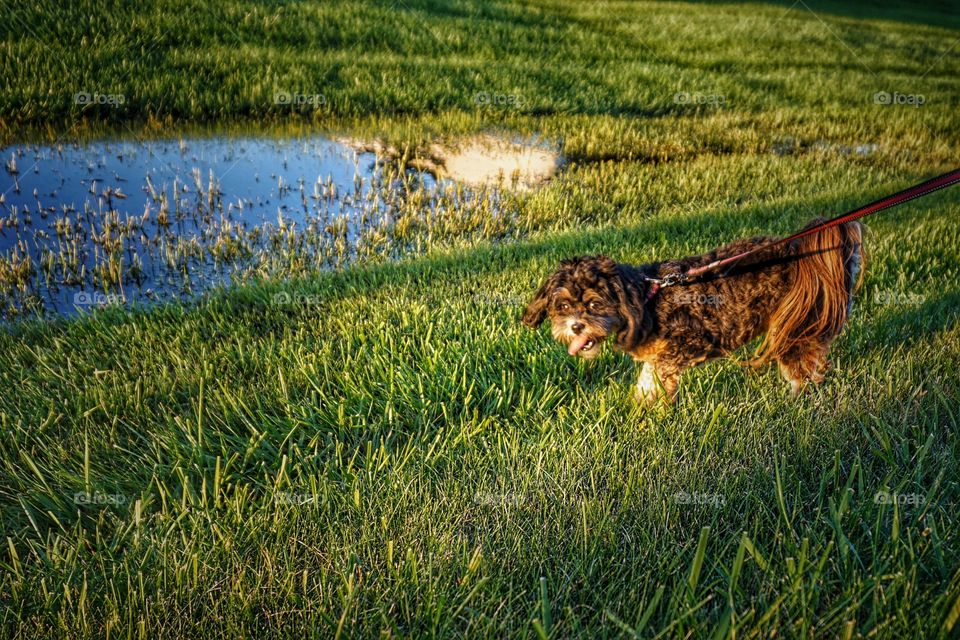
536, 310
636, 323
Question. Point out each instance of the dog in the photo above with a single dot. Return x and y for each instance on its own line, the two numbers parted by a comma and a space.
798, 295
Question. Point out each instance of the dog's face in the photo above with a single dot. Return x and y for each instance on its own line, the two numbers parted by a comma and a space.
588, 300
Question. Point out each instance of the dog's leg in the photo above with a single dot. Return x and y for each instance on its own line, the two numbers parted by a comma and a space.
657, 383
795, 380
804, 363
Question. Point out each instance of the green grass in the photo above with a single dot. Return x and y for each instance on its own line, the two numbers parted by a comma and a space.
604, 76
403, 459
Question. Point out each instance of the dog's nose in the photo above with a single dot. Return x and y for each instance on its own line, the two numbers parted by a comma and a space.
576, 327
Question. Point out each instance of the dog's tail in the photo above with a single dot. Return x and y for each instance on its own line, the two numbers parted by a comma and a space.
829, 268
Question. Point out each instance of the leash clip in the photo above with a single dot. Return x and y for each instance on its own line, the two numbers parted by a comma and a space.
671, 279
666, 281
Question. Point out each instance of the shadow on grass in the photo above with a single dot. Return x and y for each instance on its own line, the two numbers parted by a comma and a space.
930, 14
910, 322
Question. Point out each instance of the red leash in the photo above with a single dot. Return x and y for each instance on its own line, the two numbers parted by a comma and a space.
906, 195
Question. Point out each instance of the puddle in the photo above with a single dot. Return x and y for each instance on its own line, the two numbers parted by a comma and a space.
129, 221
125, 222
482, 161
789, 146
485, 161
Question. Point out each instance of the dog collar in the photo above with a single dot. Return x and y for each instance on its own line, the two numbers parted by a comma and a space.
652, 291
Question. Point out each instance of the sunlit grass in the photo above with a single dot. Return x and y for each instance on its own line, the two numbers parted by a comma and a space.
381, 450
390, 434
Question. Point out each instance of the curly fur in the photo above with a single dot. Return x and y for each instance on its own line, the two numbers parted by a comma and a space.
798, 296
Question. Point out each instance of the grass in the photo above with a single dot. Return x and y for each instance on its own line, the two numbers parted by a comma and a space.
603, 76
389, 453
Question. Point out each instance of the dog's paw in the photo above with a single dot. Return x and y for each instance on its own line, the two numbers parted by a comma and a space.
648, 391
647, 397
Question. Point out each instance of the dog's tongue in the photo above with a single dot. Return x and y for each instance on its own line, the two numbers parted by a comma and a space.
577, 344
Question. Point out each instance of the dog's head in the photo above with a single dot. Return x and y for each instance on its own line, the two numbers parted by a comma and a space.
587, 300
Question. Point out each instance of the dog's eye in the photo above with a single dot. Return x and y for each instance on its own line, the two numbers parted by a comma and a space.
564, 307
595, 306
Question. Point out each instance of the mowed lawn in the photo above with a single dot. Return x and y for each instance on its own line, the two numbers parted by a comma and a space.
390, 453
